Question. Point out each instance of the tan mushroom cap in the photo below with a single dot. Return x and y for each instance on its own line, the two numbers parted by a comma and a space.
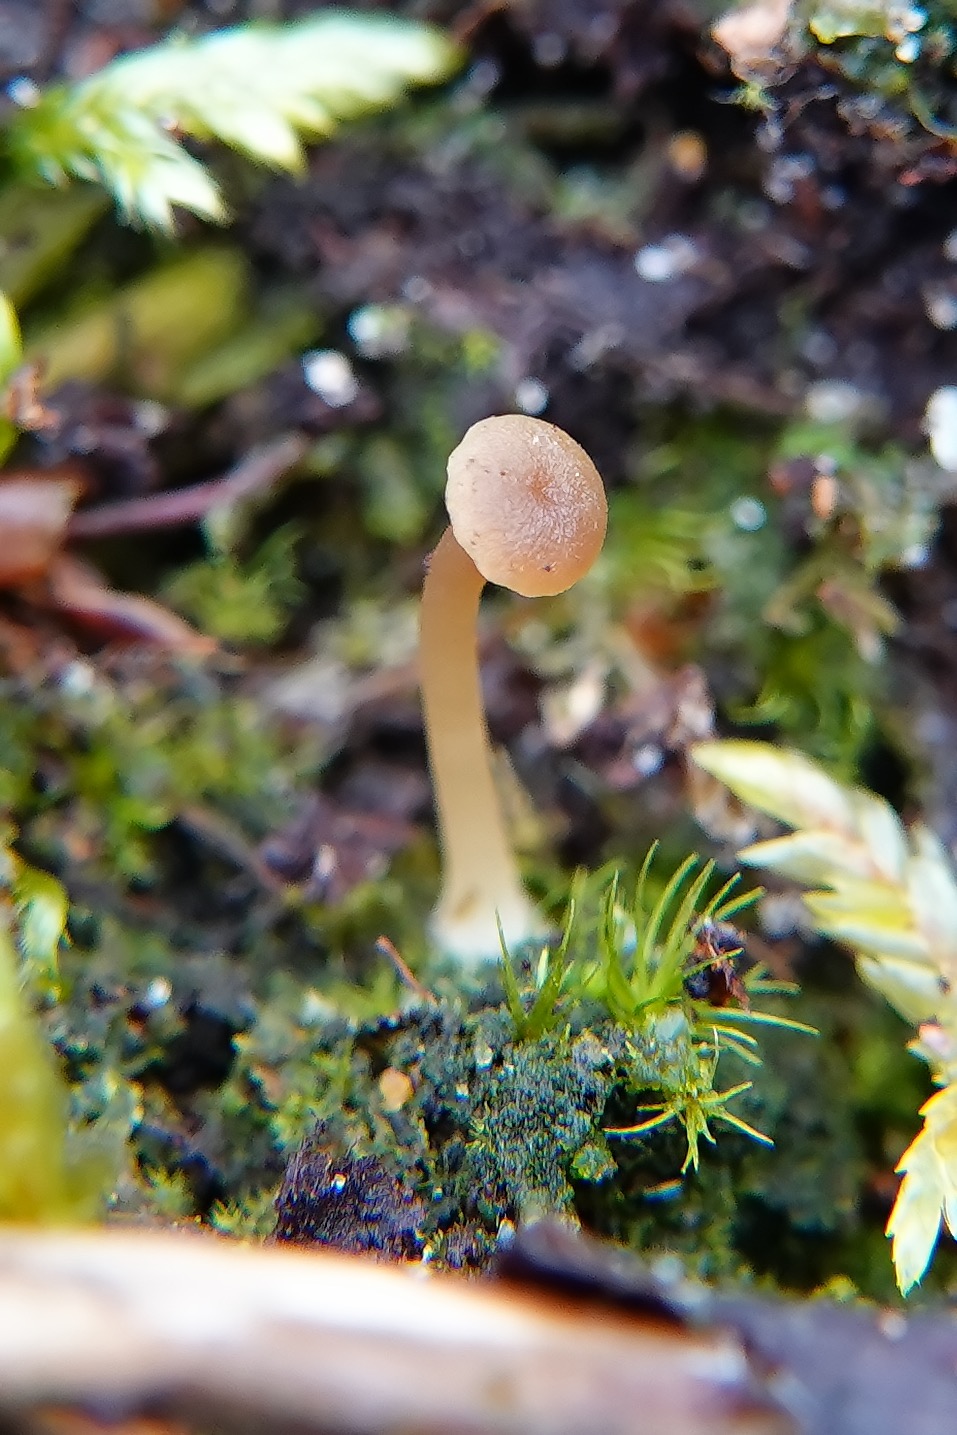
527, 504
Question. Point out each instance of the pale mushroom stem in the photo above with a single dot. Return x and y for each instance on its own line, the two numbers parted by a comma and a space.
480, 878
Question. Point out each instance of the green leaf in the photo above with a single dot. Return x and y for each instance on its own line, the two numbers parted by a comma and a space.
38, 1181
932, 898
554, 971
911, 988
784, 784
812, 857
513, 996
851, 828
11, 357
11, 344
258, 88
652, 927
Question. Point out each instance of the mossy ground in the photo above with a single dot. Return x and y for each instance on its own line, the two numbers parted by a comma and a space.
775, 518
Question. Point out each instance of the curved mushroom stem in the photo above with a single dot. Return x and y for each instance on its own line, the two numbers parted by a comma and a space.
481, 878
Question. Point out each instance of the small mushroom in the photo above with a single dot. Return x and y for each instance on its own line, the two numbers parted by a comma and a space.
527, 511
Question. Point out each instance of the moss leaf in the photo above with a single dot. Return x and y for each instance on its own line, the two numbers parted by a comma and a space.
893, 901
257, 88
928, 1192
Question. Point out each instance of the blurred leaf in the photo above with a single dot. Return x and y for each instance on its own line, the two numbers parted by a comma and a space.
11, 357
143, 335
39, 230
928, 1192
11, 346
257, 349
784, 784
808, 857
839, 19
34, 513
40, 1179
42, 911
912, 988
40, 905
257, 88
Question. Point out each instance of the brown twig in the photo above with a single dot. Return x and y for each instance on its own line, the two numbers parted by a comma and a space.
387, 948
255, 473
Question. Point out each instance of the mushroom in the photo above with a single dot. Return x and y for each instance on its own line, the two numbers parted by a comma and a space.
527, 511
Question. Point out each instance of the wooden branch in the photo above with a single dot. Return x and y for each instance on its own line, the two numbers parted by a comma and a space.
274, 1339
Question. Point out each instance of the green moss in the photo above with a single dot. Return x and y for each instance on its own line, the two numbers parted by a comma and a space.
242, 602
893, 61
209, 1018
491, 1128
514, 1118
780, 600
120, 760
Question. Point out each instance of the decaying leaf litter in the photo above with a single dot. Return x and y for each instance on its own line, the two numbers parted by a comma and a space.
729, 275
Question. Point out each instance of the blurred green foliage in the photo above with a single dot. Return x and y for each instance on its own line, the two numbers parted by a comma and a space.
47, 1174
257, 88
118, 763
902, 53
242, 602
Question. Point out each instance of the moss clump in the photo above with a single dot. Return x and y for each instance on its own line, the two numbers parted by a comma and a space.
242, 602
505, 1122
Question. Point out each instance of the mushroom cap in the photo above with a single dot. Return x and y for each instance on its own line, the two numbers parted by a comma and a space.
526, 503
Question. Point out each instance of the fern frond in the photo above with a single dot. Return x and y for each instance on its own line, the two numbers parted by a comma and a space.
257, 88
891, 896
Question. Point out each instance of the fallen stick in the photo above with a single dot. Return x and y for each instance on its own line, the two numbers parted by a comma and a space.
270, 1339
172, 508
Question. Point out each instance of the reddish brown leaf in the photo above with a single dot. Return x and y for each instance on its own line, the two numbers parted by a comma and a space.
34, 513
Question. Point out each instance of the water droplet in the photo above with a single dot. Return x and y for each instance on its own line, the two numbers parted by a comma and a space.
330, 375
